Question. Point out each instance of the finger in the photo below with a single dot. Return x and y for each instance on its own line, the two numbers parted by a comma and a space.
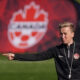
5, 54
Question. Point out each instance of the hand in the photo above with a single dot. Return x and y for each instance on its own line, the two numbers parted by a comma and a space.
9, 55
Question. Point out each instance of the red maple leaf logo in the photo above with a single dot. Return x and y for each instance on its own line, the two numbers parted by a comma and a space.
30, 13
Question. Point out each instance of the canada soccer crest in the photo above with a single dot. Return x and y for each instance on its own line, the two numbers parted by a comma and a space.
27, 27
76, 56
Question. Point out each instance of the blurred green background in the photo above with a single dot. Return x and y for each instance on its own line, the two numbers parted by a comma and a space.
78, 1
26, 70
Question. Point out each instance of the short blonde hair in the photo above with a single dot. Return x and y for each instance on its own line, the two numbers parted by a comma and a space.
67, 24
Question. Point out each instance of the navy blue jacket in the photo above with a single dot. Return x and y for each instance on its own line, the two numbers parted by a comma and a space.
60, 58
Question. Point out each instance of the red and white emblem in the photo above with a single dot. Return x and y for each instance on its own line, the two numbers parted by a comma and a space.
27, 27
76, 56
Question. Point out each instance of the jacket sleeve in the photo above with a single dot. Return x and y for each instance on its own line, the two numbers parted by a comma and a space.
50, 53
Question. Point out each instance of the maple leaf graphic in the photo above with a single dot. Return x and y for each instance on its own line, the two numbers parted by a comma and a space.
31, 13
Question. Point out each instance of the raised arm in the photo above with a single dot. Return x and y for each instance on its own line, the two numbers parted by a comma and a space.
32, 57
